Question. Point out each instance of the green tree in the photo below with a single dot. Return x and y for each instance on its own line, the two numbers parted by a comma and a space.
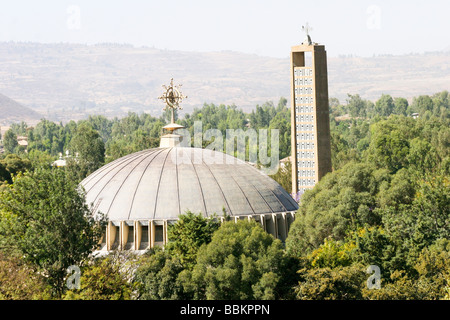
102, 125
340, 283
242, 261
44, 218
18, 281
426, 219
261, 116
433, 268
389, 143
284, 176
4, 174
89, 150
375, 246
282, 122
342, 201
40, 158
356, 105
341, 152
429, 281
158, 275
422, 156
399, 189
10, 141
188, 234
400, 106
282, 103
441, 104
11, 165
331, 254
422, 104
103, 279
19, 129
385, 105
48, 136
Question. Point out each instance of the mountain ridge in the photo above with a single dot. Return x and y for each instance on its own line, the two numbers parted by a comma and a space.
70, 81
12, 111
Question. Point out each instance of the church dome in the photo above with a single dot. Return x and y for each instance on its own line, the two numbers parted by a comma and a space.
162, 183
142, 193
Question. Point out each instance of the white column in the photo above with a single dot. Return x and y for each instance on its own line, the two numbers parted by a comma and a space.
283, 226
165, 237
110, 235
137, 235
262, 219
123, 234
152, 233
275, 225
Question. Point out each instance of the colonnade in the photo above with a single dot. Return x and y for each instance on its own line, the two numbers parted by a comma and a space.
146, 234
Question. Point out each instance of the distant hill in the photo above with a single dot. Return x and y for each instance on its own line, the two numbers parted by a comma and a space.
11, 111
70, 81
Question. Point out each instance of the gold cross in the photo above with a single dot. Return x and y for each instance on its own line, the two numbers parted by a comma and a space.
172, 96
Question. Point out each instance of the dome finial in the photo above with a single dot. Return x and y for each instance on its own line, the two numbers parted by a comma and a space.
172, 96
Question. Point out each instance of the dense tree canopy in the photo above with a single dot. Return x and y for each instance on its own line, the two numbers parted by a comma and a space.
104, 278
44, 219
385, 203
159, 275
89, 150
241, 262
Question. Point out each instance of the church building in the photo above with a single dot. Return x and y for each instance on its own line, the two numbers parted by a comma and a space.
144, 192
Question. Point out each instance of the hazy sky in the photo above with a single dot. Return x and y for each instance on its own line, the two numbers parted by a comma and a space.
264, 27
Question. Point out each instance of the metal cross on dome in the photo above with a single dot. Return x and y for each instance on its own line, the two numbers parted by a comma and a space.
172, 96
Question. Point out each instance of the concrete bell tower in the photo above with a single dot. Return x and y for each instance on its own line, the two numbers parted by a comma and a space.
310, 123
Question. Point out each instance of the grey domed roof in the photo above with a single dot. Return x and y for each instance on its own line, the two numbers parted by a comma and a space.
162, 183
